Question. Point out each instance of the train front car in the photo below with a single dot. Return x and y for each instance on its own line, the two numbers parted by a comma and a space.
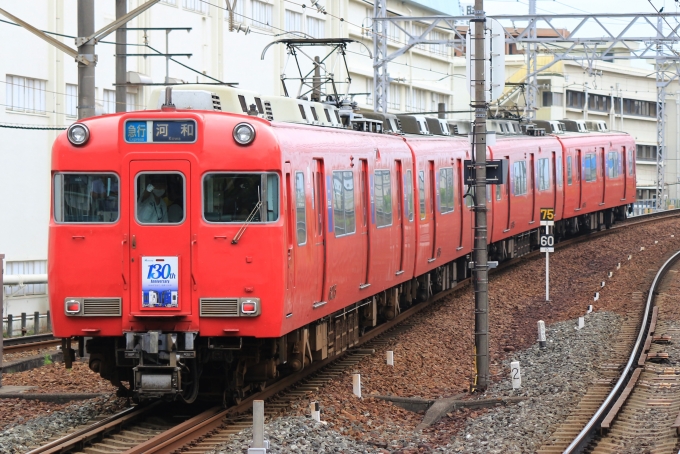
148, 208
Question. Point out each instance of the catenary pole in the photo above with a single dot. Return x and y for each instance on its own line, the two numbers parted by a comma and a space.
121, 62
481, 269
86, 87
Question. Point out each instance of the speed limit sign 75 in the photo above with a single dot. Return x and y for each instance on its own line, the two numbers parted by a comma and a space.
547, 242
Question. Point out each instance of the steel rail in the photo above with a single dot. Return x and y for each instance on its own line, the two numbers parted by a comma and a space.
586, 435
98, 429
12, 341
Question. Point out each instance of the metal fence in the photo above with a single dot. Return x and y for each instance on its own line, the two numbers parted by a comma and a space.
20, 326
646, 206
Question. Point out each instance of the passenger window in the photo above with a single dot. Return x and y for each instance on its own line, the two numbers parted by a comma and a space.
591, 167
408, 184
343, 202
498, 191
238, 197
86, 198
543, 174
421, 194
519, 178
383, 198
300, 212
569, 170
160, 198
446, 190
631, 163
558, 170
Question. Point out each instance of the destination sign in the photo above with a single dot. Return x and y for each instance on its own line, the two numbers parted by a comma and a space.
155, 131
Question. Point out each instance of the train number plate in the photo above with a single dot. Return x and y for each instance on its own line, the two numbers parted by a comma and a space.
160, 282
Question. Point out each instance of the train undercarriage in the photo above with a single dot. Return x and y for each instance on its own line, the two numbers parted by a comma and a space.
184, 366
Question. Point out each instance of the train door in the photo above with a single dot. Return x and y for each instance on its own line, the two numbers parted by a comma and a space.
461, 202
400, 214
507, 194
319, 242
532, 175
625, 173
579, 177
433, 220
290, 229
365, 222
554, 179
604, 175
161, 245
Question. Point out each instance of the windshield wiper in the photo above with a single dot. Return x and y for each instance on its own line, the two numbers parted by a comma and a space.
249, 219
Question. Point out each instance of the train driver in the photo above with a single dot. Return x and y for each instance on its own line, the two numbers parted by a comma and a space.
151, 208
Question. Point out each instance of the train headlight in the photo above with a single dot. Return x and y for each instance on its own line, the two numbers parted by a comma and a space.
244, 133
78, 134
250, 306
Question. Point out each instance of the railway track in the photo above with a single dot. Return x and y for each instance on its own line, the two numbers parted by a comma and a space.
132, 432
28, 343
634, 406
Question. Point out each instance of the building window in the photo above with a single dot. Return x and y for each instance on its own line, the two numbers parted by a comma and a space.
646, 152
394, 96
446, 190
393, 32
591, 167
26, 267
543, 174
418, 30
316, 28
438, 48
24, 94
71, 100
300, 212
419, 101
552, 99
383, 198
293, 21
575, 99
599, 103
343, 202
167, 2
109, 101
519, 178
262, 14
131, 102
196, 5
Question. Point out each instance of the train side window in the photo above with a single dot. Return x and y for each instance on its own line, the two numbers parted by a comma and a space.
383, 198
233, 197
498, 191
446, 190
86, 197
558, 170
569, 178
543, 174
408, 185
160, 198
300, 211
631, 163
421, 194
519, 178
343, 202
591, 167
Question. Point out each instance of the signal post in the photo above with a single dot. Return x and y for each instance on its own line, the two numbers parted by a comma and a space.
547, 244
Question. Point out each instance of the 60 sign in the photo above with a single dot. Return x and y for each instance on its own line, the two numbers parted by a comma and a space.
547, 240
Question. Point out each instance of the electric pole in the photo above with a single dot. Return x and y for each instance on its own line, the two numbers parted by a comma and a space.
85, 46
121, 59
479, 253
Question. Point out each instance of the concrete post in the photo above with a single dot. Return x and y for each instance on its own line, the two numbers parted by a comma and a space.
258, 424
36, 322
23, 323
86, 84
121, 60
479, 253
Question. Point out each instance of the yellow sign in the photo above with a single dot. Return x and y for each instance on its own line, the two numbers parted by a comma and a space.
547, 214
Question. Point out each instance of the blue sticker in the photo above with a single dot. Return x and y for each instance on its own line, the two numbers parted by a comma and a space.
135, 131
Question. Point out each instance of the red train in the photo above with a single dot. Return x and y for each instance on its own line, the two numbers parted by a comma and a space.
215, 248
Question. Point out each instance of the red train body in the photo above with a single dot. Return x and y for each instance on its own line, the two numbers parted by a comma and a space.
352, 226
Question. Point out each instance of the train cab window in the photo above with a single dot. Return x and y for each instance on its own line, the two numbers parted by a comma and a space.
519, 178
591, 167
300, 212
543, 174
160, 198
408, 185
421, 194
344, 217
446, 190
569, 166
383, 198
238, 197
86, 198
